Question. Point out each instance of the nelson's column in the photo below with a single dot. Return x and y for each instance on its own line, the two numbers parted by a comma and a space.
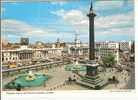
91, 79
91, 16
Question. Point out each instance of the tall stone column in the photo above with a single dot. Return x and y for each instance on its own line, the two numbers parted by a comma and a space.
91, 16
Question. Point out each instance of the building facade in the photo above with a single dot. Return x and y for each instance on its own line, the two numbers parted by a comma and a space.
102, 49
26, 55
124, 46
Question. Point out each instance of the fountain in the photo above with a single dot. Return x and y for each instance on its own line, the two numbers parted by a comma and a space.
76, 63
30, 76
27, 80
75, 67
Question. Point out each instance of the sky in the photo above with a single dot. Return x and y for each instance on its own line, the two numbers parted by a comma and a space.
49, 20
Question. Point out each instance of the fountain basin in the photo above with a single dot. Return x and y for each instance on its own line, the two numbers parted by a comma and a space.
74, 67
21, 80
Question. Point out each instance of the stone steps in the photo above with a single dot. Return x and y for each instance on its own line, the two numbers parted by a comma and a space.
96, 81
93, 82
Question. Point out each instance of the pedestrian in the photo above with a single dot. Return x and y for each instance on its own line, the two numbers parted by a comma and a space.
18, 88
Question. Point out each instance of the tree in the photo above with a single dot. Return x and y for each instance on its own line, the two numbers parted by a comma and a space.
109, 60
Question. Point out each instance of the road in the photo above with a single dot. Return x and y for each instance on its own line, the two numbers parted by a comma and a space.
131, 81
30, 66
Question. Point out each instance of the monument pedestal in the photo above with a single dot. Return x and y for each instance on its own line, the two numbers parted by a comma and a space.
92, 79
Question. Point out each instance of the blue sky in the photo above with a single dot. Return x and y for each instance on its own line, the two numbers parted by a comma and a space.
47, 21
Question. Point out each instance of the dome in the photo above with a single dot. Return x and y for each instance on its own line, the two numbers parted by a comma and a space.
40, 44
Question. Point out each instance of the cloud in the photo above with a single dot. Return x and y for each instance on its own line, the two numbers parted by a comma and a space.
60, 12
77, 20
56, 2
74, 18
117, 31
16, 27
116, 34
80, 22
2, 10
13, 29
23, 0
106, 5
115, 20
130, 1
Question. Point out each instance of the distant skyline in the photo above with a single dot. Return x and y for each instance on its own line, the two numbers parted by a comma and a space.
47, 21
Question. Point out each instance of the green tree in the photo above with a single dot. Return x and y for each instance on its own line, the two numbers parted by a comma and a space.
109, 60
